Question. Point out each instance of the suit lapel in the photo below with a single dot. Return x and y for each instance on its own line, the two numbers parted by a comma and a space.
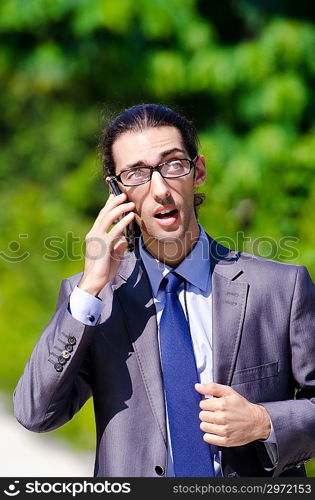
229, 301
133, 291
229, 297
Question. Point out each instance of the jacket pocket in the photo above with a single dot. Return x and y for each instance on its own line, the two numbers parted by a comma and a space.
255, 373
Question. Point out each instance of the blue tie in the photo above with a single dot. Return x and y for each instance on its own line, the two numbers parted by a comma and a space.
191, 454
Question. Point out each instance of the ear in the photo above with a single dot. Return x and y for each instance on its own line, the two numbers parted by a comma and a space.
200, 171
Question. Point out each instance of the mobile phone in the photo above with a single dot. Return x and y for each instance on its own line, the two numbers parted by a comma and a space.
115, 189
129, 231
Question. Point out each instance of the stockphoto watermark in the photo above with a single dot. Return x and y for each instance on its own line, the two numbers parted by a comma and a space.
54, 248
71, 488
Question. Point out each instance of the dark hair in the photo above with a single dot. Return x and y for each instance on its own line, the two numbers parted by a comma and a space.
141, 117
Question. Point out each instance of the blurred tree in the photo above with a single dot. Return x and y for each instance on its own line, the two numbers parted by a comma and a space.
243, 70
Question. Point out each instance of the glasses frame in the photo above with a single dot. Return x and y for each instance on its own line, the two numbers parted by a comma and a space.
158, 169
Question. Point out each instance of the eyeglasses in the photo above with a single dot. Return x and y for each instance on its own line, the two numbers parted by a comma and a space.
169, 170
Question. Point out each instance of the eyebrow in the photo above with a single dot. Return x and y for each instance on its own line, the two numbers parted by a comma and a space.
163, 155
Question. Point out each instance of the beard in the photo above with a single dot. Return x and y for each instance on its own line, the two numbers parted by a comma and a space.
168, 244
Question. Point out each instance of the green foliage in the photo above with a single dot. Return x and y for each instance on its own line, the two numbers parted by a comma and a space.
245, 74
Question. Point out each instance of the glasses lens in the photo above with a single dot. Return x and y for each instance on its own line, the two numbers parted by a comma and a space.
135, 176
175, 168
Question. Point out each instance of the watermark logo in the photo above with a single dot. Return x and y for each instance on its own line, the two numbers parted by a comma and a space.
70, 488
55, 248
12, 490
13, 253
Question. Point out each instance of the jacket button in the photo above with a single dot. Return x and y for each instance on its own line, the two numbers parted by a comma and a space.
69, 347
61, 360
58, 367
159, 470
65, 354
91, 318
72, 340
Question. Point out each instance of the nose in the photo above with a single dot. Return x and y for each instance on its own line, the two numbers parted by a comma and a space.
159, 187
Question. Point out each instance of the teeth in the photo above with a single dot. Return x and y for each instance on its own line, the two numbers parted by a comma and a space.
163, 212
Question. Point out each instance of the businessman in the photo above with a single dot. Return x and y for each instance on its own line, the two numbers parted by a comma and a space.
200, 359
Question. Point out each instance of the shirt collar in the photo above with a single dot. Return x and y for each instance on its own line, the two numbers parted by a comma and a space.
195, 268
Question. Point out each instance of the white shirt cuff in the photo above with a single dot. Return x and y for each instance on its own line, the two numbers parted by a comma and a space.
271, 448
272, 436
85, 307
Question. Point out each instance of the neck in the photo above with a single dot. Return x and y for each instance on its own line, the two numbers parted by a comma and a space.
172, 252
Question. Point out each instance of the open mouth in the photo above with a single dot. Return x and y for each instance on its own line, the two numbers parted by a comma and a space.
166, 214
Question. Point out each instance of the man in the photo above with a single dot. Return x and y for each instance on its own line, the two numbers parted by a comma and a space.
138, 329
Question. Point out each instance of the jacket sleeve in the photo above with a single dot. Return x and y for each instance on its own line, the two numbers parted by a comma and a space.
294, 420
56, 379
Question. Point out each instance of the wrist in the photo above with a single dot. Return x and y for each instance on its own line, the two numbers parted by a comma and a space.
88, 287
264, 423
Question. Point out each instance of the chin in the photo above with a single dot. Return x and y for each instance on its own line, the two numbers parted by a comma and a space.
163, 235
166, 236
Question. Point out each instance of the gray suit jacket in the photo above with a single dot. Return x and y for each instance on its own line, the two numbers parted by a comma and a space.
263, 346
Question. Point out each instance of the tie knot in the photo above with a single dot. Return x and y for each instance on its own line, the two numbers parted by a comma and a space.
172, 282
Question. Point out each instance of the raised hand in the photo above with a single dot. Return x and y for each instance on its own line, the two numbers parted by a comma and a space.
105, 244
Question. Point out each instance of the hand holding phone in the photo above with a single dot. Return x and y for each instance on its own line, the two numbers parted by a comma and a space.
106, 241
129, 231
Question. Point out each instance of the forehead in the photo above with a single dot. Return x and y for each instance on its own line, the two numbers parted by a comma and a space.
146, 146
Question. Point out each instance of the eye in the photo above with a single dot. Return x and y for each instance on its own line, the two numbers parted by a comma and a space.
135, 173
174, 165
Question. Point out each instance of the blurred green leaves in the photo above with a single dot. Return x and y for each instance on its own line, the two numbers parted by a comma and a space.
246, 78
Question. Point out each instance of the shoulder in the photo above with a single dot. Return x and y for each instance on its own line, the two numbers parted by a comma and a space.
273, 274
269, 265
254, 267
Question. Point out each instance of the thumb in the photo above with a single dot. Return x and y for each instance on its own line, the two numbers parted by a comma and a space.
213, 389
119, 247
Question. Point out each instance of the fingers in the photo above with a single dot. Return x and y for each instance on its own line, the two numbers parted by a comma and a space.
114, 209
110, 214
217, 430
212, 417
115, 199
113, 240
112, 202
216, 440
213, 404
119, 247
118, 230
213, 389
